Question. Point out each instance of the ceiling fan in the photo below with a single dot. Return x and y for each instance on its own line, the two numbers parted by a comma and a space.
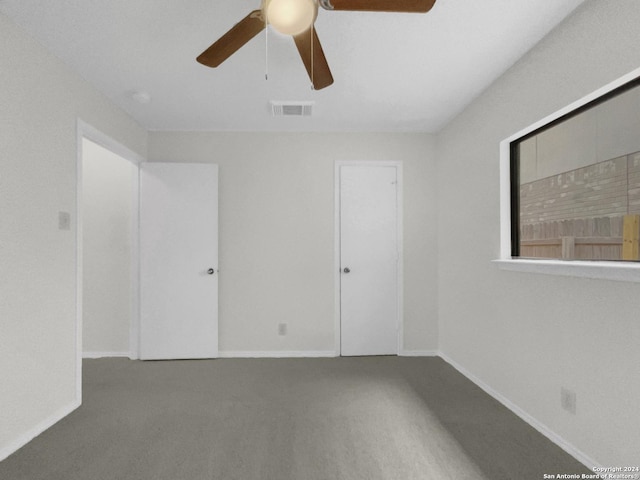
296, 18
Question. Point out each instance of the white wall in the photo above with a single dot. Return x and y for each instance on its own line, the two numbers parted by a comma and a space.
40, 101
277, 231
526, 335
108, 182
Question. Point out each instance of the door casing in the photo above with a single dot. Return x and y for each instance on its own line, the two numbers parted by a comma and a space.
85, 130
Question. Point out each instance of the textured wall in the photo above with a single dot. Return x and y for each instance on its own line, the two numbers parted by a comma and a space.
594, 191
40, 102
587, 204
527, 335
634, 184
277, 231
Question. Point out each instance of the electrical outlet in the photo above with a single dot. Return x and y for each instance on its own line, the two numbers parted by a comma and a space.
64, 221
568, 400
282, 329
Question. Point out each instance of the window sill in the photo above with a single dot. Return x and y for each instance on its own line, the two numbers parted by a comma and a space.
622, 272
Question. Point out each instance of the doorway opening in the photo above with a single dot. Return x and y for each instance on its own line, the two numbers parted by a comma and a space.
107, 247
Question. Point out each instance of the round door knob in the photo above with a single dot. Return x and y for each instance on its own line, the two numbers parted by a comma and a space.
346, 270
211, 271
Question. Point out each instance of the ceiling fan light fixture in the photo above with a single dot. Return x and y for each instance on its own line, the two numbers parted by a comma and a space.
291, 17
295, 18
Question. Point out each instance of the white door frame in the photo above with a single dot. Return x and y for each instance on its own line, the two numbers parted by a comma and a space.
336, 256
85, 130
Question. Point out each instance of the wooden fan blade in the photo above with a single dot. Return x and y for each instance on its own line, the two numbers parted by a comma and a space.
230, 42
320, 74
410, 6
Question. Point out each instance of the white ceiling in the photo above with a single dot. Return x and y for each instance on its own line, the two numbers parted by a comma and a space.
392, 72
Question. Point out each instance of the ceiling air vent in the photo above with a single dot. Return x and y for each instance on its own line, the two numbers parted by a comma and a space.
291, 109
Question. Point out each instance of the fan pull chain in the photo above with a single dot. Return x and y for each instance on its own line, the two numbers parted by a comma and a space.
312, 77
266, 49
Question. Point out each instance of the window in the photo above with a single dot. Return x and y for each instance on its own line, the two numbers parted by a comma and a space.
575, 182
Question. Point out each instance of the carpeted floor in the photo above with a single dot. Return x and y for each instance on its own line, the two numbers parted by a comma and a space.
369, 418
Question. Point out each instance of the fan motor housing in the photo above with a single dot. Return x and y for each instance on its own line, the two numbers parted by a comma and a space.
290, 17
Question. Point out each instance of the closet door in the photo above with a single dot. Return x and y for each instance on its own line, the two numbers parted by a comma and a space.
369, 260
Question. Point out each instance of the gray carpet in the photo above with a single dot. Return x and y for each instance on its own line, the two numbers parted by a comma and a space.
369, 418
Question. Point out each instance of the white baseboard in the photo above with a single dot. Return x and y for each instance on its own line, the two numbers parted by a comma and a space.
276, 354
539, 426
32, 433
105, 354
418, 353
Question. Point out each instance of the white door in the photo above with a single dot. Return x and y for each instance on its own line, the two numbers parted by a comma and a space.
178, 261
369, 260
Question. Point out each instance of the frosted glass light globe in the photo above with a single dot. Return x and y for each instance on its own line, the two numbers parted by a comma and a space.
291, 17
